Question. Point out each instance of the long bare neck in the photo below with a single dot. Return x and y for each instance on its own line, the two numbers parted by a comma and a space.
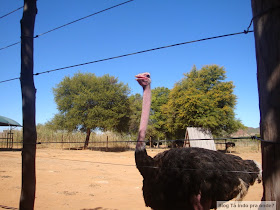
146, 105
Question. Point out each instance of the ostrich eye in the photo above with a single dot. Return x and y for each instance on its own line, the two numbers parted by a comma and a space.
148, 75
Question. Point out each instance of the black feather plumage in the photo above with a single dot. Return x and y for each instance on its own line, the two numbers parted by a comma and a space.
172, 177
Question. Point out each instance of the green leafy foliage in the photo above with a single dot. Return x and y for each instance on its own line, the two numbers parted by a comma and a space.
136, 109
157, 123
157, 127
202, 99
86, 101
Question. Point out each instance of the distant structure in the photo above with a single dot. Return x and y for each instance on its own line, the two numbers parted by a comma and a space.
194, 136
7, 135
5, 121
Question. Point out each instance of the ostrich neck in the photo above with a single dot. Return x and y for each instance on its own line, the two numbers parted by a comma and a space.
144, 117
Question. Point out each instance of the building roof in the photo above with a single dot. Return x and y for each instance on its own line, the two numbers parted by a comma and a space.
5, 121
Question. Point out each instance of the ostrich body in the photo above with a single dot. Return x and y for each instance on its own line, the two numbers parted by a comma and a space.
189, 178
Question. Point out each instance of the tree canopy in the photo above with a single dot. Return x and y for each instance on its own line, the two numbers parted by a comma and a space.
86, 102
158, 126
157, 123
202, 99
136, 109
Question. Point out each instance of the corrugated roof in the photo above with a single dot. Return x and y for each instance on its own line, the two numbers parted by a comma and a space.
5, 121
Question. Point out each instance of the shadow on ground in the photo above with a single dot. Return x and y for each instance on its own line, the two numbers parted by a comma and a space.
8, 207
9, 149
99, 208
103, 149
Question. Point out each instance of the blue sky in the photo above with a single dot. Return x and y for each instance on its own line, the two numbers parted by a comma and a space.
135, 26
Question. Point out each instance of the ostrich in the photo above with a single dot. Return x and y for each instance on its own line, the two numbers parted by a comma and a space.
189, 178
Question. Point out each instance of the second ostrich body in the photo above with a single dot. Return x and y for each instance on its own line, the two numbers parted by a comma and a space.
189, 178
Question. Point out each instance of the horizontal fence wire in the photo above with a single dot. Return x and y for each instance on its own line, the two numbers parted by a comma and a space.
77, 20
152, 167
11, 12
267, 141
64, 25
131, 54
135, 141
147, 141
195, 169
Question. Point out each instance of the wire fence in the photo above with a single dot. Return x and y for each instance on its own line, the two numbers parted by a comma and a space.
111, 143
11, 12
66, 141
61, 26
250, 144
129, 54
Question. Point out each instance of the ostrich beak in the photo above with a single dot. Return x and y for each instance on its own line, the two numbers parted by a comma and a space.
143, 79
139, 76
143, 76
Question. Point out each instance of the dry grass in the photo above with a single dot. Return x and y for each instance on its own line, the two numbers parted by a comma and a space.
108, 141
242, 146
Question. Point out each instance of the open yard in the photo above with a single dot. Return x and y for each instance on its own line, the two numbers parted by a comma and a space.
84, 179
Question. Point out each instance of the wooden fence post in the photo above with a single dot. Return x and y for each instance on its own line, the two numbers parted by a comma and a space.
28, 91
267, 32
62, 140
107, 144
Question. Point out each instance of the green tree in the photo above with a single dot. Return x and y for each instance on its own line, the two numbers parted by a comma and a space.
86, 102
157, 126
202, 99
136, 109
158, 119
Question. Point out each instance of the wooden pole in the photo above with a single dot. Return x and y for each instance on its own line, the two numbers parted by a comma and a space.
28, 91
7, 140
87, 138
266, 21
107, 143
62, 141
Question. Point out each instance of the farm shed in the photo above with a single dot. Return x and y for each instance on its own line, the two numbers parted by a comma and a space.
5, 121
195, 135
7, 135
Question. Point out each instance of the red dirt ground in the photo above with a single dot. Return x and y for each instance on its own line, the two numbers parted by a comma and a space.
84, 179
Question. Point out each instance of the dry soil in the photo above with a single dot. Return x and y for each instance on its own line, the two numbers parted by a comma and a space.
84, 179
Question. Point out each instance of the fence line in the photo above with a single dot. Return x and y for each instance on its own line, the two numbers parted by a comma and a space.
252, 143
133, 165
134, 141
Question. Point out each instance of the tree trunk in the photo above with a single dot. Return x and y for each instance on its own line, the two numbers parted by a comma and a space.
267, 36
87, 138
28, 187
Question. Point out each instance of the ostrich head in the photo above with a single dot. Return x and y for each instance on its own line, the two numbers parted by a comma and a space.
144, 79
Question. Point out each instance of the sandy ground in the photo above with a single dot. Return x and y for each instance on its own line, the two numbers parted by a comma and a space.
68, 179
